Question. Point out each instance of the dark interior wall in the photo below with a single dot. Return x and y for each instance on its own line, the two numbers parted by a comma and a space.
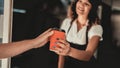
105, 47
34, 9
26, 4
108, 52
39, 16
36, 20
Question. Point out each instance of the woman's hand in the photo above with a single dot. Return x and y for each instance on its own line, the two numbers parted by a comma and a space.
63, 48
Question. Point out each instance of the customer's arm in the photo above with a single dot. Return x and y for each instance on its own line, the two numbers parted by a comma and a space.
15, 48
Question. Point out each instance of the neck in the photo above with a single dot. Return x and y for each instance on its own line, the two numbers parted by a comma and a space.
82, 20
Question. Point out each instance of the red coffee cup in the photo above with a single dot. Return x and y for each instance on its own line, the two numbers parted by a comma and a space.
58, 34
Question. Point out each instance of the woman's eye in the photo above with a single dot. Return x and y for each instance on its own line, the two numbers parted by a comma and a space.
79, 1
86, 4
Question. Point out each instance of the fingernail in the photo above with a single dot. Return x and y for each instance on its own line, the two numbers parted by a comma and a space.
54, 46
56, 42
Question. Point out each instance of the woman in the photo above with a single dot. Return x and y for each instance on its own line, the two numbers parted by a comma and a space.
83, 33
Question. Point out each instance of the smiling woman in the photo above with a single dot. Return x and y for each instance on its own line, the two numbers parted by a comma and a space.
83, 33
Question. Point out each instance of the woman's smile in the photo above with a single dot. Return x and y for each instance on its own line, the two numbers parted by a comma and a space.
80, 10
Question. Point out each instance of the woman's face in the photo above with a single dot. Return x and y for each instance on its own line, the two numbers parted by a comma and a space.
83, 7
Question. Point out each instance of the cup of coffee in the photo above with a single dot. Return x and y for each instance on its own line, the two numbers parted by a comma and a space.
58, 34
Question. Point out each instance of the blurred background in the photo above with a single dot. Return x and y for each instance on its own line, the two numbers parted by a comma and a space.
32, 17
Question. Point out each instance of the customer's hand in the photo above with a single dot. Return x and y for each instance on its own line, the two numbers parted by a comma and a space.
42, 39
63, 49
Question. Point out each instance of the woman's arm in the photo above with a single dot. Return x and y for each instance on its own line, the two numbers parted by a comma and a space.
84, 55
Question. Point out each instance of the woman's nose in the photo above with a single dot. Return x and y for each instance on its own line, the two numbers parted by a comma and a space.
82, 5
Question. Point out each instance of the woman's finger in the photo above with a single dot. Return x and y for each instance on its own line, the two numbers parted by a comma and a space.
58, 49
63, 42
61, 45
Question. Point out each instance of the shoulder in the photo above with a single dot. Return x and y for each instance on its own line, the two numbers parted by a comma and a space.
96, 27
66, 22
96, 30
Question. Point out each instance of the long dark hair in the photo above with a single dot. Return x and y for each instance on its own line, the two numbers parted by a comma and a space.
92, 16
